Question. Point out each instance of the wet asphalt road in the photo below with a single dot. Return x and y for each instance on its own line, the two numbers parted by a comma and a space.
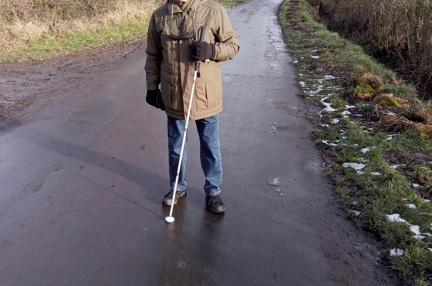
82, 183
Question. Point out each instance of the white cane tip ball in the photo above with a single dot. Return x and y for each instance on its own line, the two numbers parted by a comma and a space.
169, 219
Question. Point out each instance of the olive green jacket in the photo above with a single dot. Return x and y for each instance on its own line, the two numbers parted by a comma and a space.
169, 62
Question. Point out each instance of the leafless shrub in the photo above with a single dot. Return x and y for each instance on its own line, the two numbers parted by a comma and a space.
399, 29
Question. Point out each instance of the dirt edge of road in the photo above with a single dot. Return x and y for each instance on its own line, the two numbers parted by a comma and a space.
28, 86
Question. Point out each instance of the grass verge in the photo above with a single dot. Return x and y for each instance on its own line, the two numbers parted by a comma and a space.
36, 40
382, 171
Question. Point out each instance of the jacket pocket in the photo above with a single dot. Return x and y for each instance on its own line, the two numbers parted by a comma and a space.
208, 95
200, 96
210, 83
169, 92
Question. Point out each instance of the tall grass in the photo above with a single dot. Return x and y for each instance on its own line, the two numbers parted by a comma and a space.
24, 22
399, 30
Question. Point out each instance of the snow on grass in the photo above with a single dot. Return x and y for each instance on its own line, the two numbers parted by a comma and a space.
329, 144
395, 218
356, 213
355, 166
329, 77
414, 228
396, 252
346, 113
390, 137
365, 150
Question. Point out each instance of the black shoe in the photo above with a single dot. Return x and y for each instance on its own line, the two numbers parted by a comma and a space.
168, 198
214, 204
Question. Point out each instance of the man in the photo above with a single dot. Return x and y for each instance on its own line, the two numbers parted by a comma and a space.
173, 45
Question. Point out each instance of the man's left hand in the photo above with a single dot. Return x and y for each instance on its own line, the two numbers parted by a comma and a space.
202, 51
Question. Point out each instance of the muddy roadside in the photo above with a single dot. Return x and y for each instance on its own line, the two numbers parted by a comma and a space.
25, 87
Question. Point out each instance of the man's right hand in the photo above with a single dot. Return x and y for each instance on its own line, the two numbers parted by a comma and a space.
154, 98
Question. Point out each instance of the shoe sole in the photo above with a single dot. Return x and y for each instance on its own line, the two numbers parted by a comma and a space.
181, 195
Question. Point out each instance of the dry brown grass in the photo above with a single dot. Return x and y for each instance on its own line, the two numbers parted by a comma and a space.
399, 29
26, 20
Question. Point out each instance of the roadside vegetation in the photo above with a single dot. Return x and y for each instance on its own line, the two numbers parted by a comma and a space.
398, 32
40, 29
374, 133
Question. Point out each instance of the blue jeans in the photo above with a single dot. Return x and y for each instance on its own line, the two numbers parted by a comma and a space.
210, 153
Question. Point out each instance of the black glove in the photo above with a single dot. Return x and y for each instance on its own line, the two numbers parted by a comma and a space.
154, 98
202, 51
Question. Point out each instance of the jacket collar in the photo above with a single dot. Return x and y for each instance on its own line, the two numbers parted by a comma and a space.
190, 7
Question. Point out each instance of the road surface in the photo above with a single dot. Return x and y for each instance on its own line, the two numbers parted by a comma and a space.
82, 180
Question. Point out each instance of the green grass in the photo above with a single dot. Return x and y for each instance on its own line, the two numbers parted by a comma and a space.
380, 188
51, 45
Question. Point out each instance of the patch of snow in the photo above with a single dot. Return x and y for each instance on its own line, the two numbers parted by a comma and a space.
395, 218
346, 113
376, 173
390, 137
329, 144
355, 166
356, 213
411, 206
365, 150
415, 185
417, 234
414, 228
327, 105
396, 252
273, 182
